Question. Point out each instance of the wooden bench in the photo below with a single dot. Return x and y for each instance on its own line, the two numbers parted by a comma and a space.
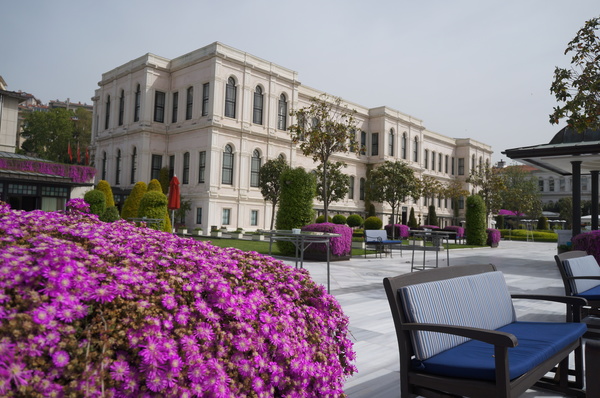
378, 239
458, 335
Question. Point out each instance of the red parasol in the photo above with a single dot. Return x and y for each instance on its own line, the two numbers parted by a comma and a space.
174, 194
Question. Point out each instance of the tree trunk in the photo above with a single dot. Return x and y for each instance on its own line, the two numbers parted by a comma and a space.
273, 214
325, 193
393, 223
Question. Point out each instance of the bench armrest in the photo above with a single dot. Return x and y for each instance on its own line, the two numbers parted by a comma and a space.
571, 300
494, 337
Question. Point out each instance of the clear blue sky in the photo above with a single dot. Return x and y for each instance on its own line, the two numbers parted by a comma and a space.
467, 68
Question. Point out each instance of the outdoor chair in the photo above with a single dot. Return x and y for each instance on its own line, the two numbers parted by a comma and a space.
581, 277
458, 336
378, 239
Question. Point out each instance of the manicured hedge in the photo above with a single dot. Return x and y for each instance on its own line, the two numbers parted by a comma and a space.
521, 234
340, 246
373, 222
401, 230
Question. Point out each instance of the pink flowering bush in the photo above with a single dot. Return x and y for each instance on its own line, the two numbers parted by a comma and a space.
92, 309
589, 242
493, 237
340, 246
401, 230
460, 231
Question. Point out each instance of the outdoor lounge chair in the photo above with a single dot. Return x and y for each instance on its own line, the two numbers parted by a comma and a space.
581, 277
458, 336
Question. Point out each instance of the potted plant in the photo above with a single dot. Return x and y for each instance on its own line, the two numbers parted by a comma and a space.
182, 229
215, 232
237, 234
258, 235
198, 231
358, 243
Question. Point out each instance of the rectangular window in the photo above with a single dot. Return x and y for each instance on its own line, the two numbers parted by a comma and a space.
391, 145
159, 107
254, 217
440, 162
175, 107
426, 158
541, 184
351, 187
226, 216
186, 168
461, 202
433, 161
198, 215
461, 167
363, 142
561, 185
118, 169
189, 105
584, 183
171, 166
255, 171
156, 165
133, 165
136, 112
205, 87
374, 144
452, 164
201, 166
446, 164
121, 108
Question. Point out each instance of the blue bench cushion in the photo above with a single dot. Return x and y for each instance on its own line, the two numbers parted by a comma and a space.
591, 294
582, 266
474, 359
384, 242
480, 301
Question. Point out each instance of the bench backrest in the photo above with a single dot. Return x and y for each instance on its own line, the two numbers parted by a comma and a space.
375, 235
481, 301
582, 266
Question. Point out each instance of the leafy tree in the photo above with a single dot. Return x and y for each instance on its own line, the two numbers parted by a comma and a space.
579, 87
337, 186
454, 190
270, 183
522, 193
430, 187
489, 184
48, 134
323, 128
475, 216
394, 181
565, 208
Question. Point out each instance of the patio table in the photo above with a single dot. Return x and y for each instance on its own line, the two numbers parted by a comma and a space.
437, 239
301, 241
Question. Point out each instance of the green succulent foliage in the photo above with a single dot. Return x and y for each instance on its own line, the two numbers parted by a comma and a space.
373, 223
154, 205
296, 203
104, 186
154, 185
97, 201
111, 214
354, 220
339, 219
132, 203
475, 216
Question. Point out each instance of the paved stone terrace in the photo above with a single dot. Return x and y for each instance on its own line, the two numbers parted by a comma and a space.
528, 267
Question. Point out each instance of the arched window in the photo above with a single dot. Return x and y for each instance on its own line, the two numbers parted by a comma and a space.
351, 187
121, 107
186, 169
136, 112
227, 171
118, 168
404, 145
107, 113
104, 165
133, 165
281, 156
361, 189
189, 105
257, 114
255, 168
230, 97
282, 113
391, 143
416, 150
541, 184
472, 163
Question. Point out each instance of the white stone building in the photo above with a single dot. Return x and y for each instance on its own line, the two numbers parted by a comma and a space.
216, 114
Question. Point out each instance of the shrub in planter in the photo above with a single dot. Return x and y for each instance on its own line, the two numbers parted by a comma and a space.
588, 241
339, 219
493, 237
354, 221
401, 231
340, 246
113, 310
373, 222
97, 201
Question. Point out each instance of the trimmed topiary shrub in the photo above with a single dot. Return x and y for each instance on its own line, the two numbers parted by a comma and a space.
163, 179
154, 205
298, 190
493, 237
412, 220
104, 186
588, 241
432, 218
339, 246
154, 185
543, 223
111, 214
354, 221
97, 201
339, 219
373, 222
132, 203
475, 217
113, 310
321, 219
401, 231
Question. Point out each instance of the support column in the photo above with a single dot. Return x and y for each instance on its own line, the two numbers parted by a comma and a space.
576, 167
594, 200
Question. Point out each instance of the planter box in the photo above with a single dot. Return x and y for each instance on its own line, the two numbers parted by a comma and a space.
198, 232
182, 231
358, 245
258, 237
216, 234
236, 235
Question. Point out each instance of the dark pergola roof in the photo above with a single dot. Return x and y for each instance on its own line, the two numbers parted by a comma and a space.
566, 146
568, 153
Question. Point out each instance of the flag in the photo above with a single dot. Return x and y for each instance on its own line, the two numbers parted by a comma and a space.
78, 154
70, 152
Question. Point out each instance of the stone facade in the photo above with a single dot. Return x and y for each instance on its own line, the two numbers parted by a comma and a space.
213, 114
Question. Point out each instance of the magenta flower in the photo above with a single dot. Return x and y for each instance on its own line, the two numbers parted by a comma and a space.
60, 358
